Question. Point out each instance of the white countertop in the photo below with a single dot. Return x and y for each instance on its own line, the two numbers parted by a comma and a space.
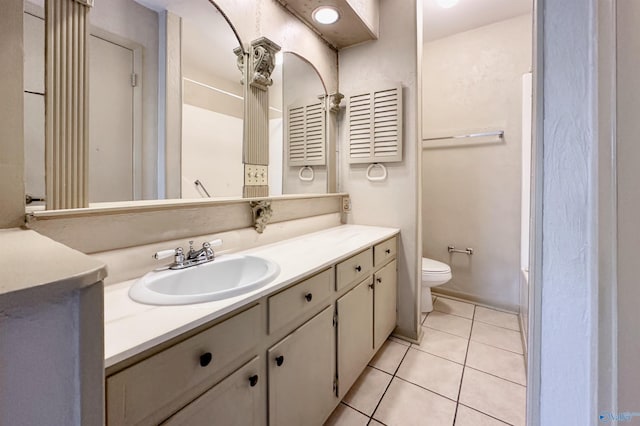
131, 327
34, 263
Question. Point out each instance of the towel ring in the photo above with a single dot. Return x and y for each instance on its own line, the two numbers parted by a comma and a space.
376, 178
301, 174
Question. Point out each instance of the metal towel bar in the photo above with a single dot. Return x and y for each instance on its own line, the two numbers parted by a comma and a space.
453, 249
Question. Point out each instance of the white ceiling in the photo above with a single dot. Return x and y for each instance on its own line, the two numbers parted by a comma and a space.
468, 14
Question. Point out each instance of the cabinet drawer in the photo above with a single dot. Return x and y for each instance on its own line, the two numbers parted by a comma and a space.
239, 400
384, 251
303, 298
156, 387
354, 268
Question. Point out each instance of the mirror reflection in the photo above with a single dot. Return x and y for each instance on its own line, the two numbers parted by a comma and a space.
212, 110
298, 135
166, 106
165, 101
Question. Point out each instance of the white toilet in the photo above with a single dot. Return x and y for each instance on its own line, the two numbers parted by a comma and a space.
433, 273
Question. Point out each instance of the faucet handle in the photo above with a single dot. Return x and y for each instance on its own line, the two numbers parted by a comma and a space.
165, 253
215, 243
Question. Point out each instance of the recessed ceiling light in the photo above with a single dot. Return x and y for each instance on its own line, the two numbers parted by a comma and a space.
446, 4
326, 15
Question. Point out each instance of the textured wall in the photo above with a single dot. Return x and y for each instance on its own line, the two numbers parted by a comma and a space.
471, 193
567, 281
395, 201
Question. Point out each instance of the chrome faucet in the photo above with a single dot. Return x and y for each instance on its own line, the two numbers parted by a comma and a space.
192, 258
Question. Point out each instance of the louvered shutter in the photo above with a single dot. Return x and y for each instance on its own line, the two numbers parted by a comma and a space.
375, 126
306, 134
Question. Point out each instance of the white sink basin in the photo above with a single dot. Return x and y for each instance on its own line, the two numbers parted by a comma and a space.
226, 276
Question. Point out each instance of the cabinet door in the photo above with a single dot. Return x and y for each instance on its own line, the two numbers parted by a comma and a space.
385, 294
355, 334
301, 374
239, 400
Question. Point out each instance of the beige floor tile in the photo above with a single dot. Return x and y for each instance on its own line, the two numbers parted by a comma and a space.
431, 372
494, 396
402, 342
367, 390
405, 404
423, 316
466, 416
497, 336
454, 307
374, 422
445, 345
344, 415
501, 363
501, 319
449, 323
389, 357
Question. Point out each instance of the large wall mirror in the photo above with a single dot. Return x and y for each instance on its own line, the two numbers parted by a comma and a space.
143, 55
298, 128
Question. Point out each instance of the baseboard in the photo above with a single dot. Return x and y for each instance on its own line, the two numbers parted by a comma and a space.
465, 297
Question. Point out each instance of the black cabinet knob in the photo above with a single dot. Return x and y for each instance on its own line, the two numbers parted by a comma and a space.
253, 380
379, 280
308, 296
279, 360
358, 268
388, 251
371, 286
205, 359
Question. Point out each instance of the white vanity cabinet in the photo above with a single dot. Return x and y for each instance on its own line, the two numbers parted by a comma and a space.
366, 313
239, 400
355, 333
153, 389
285, 359
384, 303
301, 370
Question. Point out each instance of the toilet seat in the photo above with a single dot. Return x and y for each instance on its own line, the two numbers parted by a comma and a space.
433, 267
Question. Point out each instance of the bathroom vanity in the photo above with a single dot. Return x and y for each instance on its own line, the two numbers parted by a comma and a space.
284, 354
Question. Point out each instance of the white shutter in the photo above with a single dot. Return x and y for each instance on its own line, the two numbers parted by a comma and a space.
375, 126
306, 134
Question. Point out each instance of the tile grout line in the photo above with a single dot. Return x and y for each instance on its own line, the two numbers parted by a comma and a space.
497, 377
354, 408
427, 389
387, 388
499, 326
417, 348
488, 415
466, 355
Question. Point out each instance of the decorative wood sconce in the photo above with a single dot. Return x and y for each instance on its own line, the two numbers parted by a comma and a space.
262, 212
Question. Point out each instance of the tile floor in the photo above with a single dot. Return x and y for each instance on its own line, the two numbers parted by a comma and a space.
467, 371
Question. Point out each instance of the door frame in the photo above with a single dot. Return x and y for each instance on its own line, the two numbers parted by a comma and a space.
572, 371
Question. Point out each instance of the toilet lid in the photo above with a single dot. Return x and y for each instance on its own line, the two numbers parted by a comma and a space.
433, 266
